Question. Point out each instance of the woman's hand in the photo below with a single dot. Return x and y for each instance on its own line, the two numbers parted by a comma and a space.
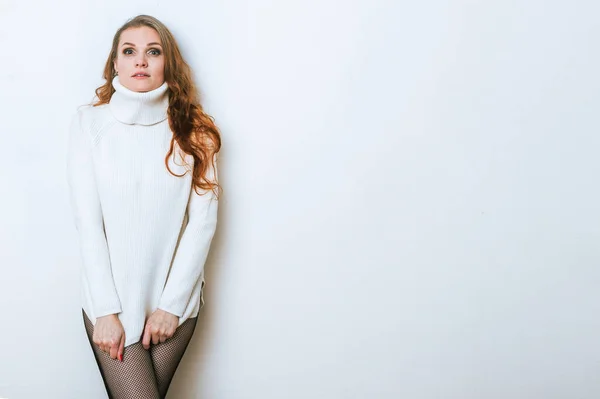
160, 326
109, 335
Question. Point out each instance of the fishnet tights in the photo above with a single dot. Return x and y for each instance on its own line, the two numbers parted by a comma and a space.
143, 374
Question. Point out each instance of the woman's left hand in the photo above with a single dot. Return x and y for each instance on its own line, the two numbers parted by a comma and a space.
160, 326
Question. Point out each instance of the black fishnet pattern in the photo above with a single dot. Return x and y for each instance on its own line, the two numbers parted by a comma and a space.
143, 374
167, 355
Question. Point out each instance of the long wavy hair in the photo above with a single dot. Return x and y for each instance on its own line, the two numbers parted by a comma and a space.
194, 130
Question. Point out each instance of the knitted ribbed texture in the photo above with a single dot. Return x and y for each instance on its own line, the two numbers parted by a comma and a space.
144, 234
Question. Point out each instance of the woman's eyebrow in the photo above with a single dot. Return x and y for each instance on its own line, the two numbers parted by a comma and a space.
149, 44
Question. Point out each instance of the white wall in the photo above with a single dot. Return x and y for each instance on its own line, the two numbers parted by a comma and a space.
410, 206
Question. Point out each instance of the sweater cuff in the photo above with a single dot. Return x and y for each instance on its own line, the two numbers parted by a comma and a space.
170, 309
106, 312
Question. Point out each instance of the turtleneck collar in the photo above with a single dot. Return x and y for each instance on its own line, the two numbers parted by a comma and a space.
139, 108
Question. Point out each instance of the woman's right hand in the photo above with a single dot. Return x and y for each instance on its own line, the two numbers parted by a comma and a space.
109, 335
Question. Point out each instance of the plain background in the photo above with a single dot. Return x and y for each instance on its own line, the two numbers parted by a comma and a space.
410, 210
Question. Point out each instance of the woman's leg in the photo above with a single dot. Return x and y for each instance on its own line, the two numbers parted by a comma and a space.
167, 355
131, 379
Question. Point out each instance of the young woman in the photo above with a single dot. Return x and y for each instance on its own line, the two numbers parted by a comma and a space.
142, 174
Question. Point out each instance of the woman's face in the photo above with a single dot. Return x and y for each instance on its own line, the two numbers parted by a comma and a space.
140, 51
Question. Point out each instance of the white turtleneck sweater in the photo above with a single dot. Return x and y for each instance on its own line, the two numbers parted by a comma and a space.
144, 234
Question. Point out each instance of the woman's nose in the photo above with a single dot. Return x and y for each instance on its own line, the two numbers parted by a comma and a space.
140, 61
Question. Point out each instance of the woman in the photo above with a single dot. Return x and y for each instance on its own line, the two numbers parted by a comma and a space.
142, 177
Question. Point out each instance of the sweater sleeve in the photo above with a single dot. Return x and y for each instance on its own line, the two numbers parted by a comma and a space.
191, 254
89, 221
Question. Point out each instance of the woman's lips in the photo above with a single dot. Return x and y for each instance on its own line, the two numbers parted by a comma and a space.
140, 76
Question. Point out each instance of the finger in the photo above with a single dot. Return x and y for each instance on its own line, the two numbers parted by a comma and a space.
155, 338
98, 344
121, 347
169, 335
114, 349
146, 339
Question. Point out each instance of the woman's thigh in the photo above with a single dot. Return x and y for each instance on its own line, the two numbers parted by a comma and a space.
167, 355
133, 377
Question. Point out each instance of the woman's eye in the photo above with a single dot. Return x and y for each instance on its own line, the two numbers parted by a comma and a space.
156, 51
